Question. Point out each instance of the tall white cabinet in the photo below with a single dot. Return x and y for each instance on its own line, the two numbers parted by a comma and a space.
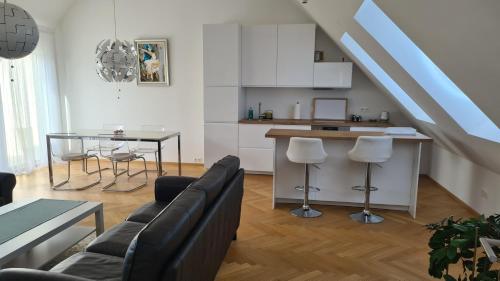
221, 55
223, 96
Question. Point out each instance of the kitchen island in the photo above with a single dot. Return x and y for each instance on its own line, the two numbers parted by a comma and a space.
397, 179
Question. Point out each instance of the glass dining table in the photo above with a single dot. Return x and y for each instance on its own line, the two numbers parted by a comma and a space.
157, 137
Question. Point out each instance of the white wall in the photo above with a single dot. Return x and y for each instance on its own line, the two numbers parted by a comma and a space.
93, 102
46, 13
477, 186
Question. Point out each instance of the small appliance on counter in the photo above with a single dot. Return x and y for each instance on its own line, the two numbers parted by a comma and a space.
268, 115
384, 116
356, 118
296, 111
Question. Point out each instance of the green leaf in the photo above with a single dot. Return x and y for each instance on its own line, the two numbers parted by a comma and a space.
459, 243
451, 252
461, 228
483, 264
449, 278
468, 254
440, 254
468, 264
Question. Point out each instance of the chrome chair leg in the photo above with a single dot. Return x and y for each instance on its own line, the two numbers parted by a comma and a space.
306, 211
56, 186
366, 216
158, 164
116, 174
59, 187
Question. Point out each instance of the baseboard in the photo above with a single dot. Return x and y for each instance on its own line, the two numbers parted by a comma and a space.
182, 163
469, 208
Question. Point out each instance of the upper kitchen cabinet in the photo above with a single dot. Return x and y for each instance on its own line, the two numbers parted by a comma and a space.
221, 55
295, 67
259, 55
332, 75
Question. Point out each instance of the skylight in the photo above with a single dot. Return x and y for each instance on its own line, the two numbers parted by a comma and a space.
425, 72
393, 88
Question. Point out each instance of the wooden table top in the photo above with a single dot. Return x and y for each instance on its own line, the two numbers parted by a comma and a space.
340, 135
316, 122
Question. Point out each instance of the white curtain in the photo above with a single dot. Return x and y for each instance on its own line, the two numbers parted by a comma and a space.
29, 107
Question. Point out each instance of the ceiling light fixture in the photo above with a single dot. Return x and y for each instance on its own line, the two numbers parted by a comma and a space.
18, 32
116, 59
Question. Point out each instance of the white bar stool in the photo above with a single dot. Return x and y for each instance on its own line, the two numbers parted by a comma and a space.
370, 150
306, 151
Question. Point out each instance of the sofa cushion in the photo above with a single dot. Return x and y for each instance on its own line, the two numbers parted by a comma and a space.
211, 183
92, 266
147, 212
7, 184
168, 187
231, 164
115, 241
150, 250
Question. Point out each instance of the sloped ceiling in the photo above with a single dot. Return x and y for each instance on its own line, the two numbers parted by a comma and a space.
460, 36
46, 13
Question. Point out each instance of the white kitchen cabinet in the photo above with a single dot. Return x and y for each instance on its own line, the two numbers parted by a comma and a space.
223, 104
333, 74
256, 159
255, 150
221, 139
254, 136
259, 46
295, 66
222, 54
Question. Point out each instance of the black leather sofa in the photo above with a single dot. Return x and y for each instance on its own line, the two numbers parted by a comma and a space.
7, 184
183, 235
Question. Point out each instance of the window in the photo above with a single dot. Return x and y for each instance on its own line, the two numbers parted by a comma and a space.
391, 86
428, 75
29, 107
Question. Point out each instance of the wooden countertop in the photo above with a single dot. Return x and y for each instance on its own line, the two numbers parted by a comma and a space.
340, 135
316, 122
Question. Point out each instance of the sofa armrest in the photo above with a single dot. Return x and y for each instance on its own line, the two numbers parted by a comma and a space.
168, 187
7, 184
17, 274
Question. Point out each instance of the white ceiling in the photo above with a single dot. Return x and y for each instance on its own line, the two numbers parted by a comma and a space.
46, 13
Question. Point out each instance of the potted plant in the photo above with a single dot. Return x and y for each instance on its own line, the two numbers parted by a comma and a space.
457, 242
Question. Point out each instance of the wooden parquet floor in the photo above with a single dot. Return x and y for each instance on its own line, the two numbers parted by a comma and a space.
273, 245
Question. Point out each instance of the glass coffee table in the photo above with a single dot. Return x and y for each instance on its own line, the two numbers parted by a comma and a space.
34, 232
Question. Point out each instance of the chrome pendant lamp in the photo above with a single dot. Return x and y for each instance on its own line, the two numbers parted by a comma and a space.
116, 59
18, 32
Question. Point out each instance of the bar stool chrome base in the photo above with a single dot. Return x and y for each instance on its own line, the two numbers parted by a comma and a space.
366, 217
306, 213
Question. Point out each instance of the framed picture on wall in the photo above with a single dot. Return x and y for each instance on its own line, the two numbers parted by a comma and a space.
152, 62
